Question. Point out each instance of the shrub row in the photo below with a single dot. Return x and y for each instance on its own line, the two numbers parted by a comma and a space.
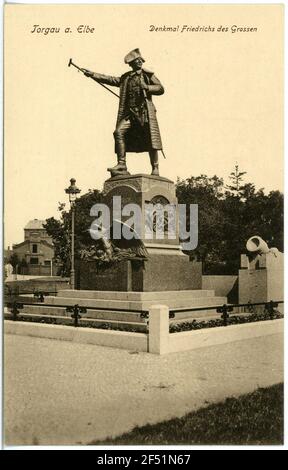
174, 327
233, 320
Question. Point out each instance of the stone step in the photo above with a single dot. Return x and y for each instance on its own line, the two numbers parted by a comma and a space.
208, 315
196, 315
113, 323
112, 315
95, 314
135, 296
176, 302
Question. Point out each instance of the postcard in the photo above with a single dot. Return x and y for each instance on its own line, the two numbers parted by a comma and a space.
143, 226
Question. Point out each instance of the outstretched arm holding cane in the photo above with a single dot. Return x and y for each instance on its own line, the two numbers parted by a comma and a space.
113, 81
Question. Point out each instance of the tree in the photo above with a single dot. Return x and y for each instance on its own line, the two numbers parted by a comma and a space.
60, 230
23, 266
236, 177
227, 219
207, 193
253, 214
14, 260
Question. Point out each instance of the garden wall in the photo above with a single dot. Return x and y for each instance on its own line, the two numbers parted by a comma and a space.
224, 286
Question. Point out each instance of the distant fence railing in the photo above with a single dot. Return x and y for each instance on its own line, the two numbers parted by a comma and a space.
228, 309
39, 295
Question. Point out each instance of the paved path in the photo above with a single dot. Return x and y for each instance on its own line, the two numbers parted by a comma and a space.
64, 393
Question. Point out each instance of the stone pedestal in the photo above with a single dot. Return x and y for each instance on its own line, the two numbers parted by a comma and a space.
166, 268
160, 272
143, 190
261, 278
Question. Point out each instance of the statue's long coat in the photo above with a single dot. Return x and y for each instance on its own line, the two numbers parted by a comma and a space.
138, 139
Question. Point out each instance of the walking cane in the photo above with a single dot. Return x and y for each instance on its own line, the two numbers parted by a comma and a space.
83, 71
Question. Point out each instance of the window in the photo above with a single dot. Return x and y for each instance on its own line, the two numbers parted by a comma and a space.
35, 248
34, 261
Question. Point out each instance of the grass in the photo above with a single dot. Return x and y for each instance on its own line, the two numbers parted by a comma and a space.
252, 419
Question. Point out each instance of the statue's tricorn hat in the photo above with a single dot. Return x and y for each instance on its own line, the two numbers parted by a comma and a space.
132, 55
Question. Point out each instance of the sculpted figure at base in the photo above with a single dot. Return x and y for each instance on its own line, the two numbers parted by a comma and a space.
105, 252
137, 128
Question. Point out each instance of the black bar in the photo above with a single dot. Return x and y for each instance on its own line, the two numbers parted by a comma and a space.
173, 310
77, 321
112, 309
198, 309
34, 292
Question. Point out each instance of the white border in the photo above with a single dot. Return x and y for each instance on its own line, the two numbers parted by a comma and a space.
191, 448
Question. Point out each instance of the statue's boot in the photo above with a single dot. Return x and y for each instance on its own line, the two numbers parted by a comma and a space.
120, 168
154, 162
155, 170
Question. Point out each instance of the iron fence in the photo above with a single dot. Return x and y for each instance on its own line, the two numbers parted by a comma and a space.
225, 310
15, 306
228, 309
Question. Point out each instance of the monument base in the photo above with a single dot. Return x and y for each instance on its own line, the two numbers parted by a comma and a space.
163, 266
160, 272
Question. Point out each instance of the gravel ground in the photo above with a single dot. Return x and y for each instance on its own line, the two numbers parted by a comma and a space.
61, 393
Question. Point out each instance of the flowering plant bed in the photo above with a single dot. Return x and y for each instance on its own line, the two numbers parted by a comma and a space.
67, 321
232, 320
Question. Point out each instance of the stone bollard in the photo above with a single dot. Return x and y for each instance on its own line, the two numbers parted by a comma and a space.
159, 329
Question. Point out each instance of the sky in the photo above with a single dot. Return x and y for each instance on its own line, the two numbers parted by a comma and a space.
223, 98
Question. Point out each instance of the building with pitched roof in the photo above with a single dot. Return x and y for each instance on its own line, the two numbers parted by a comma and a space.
36, 252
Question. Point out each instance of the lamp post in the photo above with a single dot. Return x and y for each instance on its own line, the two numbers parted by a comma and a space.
72, 191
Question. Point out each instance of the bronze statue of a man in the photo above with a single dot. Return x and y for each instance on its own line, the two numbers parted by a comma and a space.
137, 127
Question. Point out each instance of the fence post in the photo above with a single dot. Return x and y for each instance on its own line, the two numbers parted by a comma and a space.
270, 308
158, 329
